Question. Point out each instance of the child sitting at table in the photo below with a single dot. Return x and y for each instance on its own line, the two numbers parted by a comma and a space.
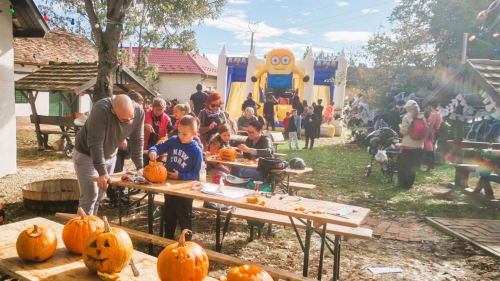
184, 160
218, 141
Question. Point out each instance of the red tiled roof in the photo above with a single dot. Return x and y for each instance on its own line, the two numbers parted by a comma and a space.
174, 61
55, 45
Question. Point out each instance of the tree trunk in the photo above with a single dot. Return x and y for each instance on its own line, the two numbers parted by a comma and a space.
107, 40
32, 99
108, 49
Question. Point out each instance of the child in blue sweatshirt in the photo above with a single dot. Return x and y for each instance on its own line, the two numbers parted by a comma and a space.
184, 160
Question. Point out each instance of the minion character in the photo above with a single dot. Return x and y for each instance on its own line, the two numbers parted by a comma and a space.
280, 66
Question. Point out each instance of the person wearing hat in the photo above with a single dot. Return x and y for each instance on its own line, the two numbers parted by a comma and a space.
393, 117
250, 102
414, 129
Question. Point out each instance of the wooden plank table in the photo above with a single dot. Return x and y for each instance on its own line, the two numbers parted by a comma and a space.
63, 265
286, 206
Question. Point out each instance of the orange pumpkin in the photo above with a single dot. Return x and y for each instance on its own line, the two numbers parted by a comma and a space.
162, 140
77, 230
107, 250
155, 172
247, 273
36, 243
228, 153
183, 261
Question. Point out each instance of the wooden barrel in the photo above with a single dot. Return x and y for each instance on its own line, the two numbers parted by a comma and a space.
58, 195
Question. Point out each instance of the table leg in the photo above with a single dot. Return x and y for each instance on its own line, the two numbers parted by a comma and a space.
336, 259
251, 233
322, 252
119, 188
161, 221
217, 231
150, 218
307, 246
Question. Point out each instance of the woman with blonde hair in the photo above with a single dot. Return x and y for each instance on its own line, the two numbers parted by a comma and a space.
414, 129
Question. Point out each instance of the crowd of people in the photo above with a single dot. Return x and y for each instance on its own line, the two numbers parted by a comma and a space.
419, 133
122, 127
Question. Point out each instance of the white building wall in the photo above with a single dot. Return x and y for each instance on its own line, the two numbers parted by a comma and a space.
84, 104
42, 101
182, 86
8, 149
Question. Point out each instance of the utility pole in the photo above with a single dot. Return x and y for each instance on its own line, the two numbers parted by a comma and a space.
464, 48
253, 26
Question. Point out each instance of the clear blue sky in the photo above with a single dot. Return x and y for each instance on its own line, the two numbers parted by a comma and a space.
293, 24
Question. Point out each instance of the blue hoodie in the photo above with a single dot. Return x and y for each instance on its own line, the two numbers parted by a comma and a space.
185, 158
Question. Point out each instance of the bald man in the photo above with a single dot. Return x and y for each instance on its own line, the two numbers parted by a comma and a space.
110, 122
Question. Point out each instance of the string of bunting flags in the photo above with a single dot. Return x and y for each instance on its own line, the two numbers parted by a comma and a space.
470, 114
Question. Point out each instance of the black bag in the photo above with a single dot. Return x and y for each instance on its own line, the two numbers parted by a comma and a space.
266, 164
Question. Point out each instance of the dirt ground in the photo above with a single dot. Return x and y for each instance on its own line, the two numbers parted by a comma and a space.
439, 257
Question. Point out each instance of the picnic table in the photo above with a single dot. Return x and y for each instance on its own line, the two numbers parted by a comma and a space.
63, 265
275, 180
288, 206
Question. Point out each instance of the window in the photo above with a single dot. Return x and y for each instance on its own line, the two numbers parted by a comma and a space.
20, 98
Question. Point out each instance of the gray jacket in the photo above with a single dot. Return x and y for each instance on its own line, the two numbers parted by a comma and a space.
103, 133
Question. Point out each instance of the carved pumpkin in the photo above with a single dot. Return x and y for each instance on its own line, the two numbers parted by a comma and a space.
228, 153
107, 250
183, 261
77, 230
36, 243
247, 273
155, 172
162, 140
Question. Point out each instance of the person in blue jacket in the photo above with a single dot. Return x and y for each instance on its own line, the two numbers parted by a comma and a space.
184, 160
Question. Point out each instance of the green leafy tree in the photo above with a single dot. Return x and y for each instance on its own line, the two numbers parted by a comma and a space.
160, 23
423, 45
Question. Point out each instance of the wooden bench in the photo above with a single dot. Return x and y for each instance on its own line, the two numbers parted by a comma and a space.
350, 232
465, 159
297, 186
277, 138
67, 126
213, 256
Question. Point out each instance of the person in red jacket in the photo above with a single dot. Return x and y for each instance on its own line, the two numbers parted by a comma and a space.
286, 123
157, 124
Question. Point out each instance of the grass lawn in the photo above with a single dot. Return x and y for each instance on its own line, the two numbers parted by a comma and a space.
339, 175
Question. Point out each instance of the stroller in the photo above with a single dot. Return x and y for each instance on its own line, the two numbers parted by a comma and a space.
382, 149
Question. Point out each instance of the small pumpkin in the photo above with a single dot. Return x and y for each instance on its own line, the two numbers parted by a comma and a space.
162, 140
36, 243
246, 273
183, 261
252, 200
228, 153
77, 230
107, 250
155, 172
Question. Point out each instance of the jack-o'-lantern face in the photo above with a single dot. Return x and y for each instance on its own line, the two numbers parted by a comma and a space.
108, 250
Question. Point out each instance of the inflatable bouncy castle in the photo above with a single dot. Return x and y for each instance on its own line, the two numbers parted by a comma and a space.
281, 75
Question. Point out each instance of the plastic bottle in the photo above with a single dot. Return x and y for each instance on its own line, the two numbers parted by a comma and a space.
203, 173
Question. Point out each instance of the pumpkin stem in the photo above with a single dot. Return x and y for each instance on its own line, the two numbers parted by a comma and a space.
107, 227
36, 229
82, 213
182, 239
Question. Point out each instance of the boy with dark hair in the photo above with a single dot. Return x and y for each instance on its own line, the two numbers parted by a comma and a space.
292, 130
269, 111
318, 110
311, 122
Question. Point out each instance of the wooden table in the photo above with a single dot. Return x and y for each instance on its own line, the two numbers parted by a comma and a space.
275, 179
286, 206
63, 265
238, 138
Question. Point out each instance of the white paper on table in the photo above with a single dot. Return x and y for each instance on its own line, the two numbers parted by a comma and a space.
384, 270
231, 194
346, 211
